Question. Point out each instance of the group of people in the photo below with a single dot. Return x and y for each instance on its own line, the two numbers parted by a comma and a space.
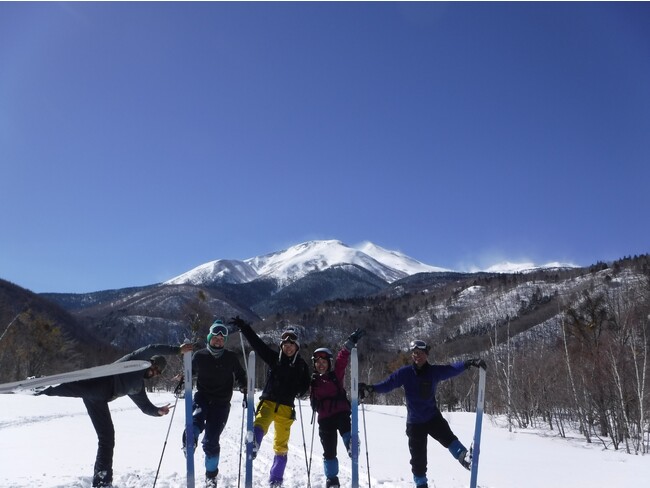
218, 372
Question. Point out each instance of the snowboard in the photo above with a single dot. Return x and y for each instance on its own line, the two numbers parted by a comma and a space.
111, 369
476, 447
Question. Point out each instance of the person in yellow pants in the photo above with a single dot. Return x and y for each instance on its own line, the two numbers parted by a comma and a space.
287, 379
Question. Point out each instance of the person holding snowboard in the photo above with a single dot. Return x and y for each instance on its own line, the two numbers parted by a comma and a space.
423, 418
287, 379
330, 401
96, 394
217, 371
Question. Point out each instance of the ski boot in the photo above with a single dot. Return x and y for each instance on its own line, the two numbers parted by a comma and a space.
332, 482
211, 478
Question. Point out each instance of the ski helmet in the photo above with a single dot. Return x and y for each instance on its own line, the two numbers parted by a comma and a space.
323, 353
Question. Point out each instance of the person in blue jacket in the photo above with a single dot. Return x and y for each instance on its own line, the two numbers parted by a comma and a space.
423, 418
96, 393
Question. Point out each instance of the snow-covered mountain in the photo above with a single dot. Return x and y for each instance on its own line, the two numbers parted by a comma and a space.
291, 264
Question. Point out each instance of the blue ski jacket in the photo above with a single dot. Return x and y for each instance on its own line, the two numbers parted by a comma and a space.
420, 388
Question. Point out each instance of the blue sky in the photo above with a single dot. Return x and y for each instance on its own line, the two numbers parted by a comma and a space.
139, 140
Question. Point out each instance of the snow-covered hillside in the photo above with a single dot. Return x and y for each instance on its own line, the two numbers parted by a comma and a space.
48, 442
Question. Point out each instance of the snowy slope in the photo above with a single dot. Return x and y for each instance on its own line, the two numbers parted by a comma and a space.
48, 442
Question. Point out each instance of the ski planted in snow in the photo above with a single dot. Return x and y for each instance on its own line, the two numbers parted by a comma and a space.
250, 417
476, 445
24, 386
189, 423
354, 401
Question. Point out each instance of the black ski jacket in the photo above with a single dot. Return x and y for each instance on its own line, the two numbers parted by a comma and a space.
216, 377
288, 377
132, 384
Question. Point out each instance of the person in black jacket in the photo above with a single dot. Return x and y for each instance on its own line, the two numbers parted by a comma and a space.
96, 393
288, 378
218, 371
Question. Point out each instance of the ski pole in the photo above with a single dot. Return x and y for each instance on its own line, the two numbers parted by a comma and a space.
365, 437
311, 447
304, 444
168, 429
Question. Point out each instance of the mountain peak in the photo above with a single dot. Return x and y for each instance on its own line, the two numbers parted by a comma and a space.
297, 261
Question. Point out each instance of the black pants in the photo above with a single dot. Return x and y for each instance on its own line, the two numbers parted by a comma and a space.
328, 429
439, 429
95, 394
212, 417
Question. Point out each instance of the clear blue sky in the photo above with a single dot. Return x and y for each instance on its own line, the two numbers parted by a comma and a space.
139, 140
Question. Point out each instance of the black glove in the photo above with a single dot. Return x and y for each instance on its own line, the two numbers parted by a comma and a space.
365, 390
476, 362
354, 338
238, 322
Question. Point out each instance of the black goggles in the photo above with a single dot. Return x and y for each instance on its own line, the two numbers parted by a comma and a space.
418, 346
320, 355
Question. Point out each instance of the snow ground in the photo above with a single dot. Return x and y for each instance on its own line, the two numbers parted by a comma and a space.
48, 442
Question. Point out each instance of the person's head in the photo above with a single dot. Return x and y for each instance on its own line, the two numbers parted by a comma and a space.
218, 335
158, 364
323, 360
289, 344
419, 352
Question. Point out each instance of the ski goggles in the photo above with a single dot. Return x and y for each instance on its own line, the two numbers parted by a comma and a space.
289, 337
321, 355
418, 346
218, 329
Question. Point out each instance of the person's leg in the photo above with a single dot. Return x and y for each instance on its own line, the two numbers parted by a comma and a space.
263, 419
198, 420
441, 432
217, 417
100, 416
283, 418
327, 433
417, 439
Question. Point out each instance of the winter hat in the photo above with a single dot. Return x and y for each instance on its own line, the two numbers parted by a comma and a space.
217, 328
159, 362
419, 346
289, 335
324, 353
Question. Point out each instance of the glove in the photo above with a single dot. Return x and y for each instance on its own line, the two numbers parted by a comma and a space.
365, 390
476, 362
238, 322
354, 338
